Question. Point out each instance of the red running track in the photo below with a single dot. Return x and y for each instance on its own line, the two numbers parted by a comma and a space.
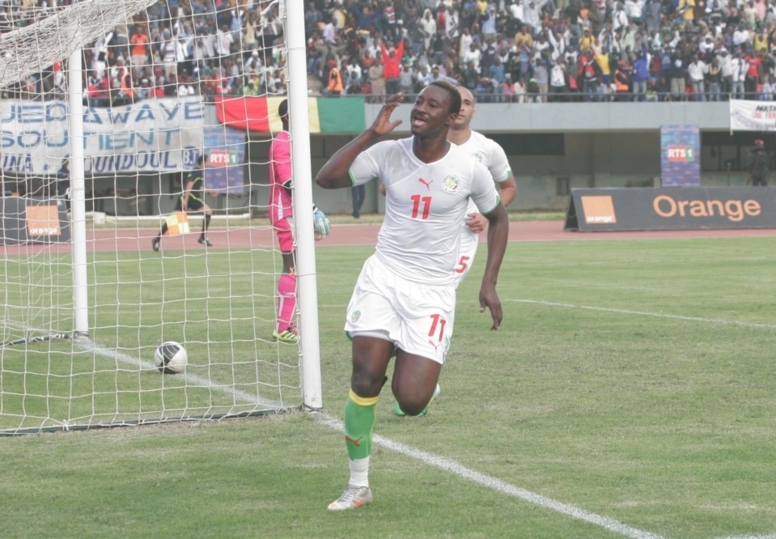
130, 239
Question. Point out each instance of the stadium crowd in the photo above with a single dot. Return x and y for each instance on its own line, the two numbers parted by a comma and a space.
502, 50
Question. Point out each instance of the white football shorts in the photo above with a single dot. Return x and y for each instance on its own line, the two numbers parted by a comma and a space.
417, 318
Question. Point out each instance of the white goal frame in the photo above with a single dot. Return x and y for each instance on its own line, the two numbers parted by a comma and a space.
292, 12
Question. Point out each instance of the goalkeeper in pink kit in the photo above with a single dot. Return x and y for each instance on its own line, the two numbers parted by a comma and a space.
281, 215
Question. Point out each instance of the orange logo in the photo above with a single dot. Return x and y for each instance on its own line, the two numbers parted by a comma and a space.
598, 209
43, 221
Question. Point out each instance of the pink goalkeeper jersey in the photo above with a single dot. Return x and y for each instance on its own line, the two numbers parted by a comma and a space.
280, 177
425, 206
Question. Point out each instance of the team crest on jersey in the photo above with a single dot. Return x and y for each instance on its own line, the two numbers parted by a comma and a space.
451, 183
355, 315
478, 156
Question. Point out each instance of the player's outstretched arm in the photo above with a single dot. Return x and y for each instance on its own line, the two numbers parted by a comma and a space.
334, 174
498, 233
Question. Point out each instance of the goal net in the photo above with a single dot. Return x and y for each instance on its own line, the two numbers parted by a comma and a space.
150, 75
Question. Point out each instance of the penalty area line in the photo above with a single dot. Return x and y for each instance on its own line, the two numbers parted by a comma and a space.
500, 486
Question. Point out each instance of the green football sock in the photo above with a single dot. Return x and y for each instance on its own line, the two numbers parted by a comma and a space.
359, 423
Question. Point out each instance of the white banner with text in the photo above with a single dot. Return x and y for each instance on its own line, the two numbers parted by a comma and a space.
752, 115
161, 135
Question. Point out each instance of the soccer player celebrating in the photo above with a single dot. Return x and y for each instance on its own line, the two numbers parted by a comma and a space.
192, 200
405, 296
493, 157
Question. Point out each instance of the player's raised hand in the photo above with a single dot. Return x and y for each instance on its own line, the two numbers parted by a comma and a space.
489, 299
383, 124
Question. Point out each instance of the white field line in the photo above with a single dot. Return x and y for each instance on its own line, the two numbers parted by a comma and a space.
644, 313
500, 486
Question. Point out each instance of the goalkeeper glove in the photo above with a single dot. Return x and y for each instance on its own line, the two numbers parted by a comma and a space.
320, 223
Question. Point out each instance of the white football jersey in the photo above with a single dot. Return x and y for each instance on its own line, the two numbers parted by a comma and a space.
490, 154
425, 206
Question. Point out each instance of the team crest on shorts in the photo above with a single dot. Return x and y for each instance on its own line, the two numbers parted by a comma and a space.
354, 316
451, 183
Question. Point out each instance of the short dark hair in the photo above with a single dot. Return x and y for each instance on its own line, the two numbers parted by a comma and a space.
283, 108
455, 95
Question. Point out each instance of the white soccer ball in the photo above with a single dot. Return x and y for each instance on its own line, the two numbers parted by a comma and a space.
171, 357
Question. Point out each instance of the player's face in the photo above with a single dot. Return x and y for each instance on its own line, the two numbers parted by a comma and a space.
431, 113
467, 108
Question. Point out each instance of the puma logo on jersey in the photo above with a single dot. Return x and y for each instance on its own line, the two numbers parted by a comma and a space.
427, 184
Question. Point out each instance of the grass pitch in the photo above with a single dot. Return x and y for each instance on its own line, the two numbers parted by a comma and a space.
628, 393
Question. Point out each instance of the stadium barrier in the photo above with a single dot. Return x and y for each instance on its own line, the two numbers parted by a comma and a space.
671, 208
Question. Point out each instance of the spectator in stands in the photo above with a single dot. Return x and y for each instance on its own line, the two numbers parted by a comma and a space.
312, 19
622, 81
590, 74
407, 78
391, 58
768, 89
541, 71
714, 80
334, 86
437, 75
144, 90
140, 47
677, 76
427, 27
377, 81
558, 80
696, 72
752, 81
739, 69
640, 74
190, 36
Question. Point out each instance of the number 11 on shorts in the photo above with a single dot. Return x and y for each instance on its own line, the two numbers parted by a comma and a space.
437, 322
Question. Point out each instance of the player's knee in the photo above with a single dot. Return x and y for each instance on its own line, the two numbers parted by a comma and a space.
366, 383
411, 406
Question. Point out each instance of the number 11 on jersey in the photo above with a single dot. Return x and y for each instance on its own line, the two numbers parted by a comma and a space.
417, 201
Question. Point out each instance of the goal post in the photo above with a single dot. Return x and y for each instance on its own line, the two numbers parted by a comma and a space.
88, 300
303, 202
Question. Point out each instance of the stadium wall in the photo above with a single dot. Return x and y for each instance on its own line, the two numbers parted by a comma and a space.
553, 147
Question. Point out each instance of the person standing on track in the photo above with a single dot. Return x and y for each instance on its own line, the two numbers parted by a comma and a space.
192, 200
404, 299
757, 164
